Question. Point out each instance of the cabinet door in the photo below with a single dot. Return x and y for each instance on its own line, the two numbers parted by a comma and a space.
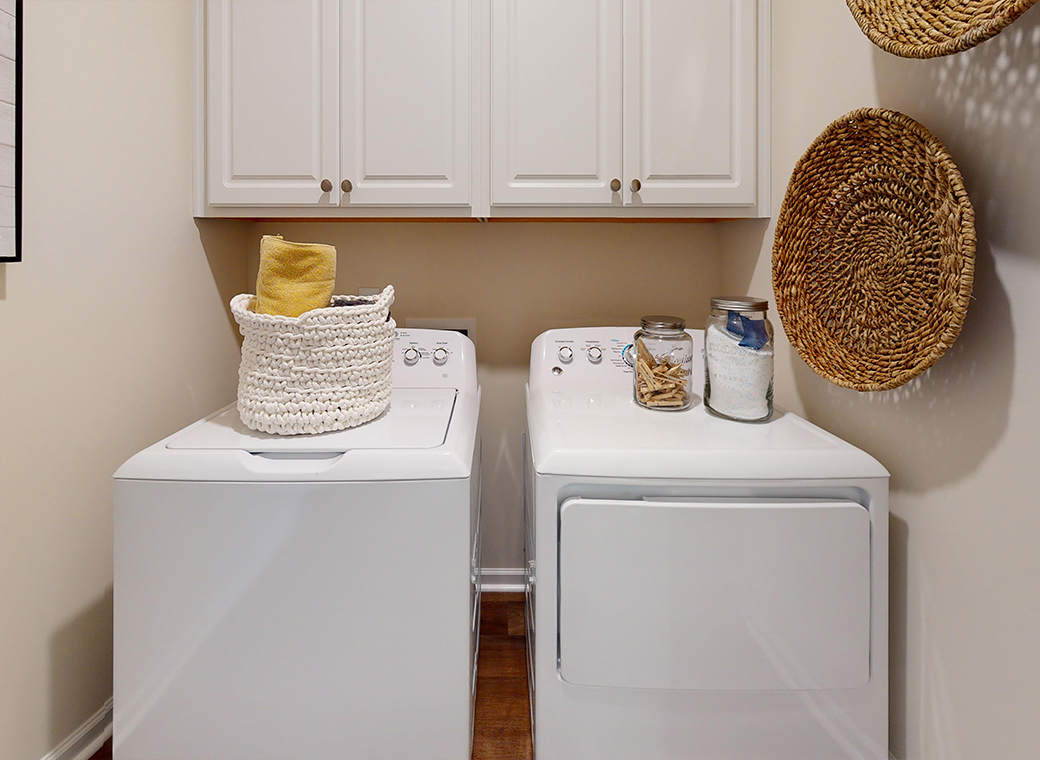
556, 101
407, 101
272, 92
690, 102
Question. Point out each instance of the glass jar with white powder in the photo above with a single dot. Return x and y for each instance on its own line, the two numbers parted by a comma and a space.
738, 360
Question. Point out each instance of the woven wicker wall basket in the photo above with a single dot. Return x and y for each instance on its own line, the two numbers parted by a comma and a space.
874, 256
929, 29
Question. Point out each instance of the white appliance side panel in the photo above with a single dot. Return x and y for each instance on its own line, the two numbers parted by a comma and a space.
714, 594
303, 621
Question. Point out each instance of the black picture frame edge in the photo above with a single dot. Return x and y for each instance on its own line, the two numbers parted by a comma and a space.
18, 101
18, 56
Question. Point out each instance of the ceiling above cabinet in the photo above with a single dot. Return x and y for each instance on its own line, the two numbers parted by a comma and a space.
482, 108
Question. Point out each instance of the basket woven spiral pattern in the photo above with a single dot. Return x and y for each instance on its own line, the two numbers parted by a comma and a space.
930, 28
326, 370
874, 255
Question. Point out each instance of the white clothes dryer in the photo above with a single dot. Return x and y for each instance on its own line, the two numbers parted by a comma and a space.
697, 587
306, 597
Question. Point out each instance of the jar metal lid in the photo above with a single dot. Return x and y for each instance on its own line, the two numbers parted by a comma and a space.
739, 303
663, 322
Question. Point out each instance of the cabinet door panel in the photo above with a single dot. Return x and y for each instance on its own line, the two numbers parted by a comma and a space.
556, 101
690, 101
406, 101
272, 93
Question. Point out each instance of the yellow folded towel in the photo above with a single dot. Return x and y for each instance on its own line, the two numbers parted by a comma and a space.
294, 277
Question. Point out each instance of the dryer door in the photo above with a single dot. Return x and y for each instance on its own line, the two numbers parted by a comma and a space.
714, 594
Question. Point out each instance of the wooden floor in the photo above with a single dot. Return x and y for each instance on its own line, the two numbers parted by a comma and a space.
503, 720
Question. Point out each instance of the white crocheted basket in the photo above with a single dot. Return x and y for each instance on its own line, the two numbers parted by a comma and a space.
327, 369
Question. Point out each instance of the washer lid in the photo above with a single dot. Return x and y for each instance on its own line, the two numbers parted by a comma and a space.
418, 418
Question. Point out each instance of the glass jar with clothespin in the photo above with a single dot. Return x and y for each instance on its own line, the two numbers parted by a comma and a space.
663, 353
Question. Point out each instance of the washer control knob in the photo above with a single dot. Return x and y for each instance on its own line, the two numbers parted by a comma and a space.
595, 354
626, 355
440, 356
411, 356
566, 354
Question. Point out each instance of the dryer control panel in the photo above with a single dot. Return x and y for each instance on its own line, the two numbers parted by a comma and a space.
592, 358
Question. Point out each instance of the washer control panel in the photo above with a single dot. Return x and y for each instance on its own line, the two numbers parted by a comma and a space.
430, 358
589, 358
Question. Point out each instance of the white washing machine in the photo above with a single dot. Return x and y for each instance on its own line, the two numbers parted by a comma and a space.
306, 597
698, 588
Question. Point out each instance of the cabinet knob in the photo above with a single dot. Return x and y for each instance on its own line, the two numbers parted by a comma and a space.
347, 187
326, 186
635, 186
615, 185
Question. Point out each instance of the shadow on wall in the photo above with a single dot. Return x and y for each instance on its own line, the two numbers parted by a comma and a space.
984, 106
939, 427
76, 672
898, 611
742, 236
225, 243
503, 418
518, 279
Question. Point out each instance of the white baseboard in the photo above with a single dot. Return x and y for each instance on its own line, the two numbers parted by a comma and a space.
501, 579
88, 738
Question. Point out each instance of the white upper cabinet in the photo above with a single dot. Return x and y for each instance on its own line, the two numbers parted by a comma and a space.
334, 106
690, 102
634, 107
406, 109
569, 108
272, 97
556, 101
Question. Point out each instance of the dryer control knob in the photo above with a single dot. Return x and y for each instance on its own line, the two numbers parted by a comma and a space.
566, 354
440, 356
595, 354
411, 356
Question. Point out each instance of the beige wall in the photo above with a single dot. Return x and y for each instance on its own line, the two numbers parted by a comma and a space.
961, 440
113, 334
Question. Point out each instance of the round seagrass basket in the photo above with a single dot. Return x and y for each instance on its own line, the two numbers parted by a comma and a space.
327, 369
874, 255
929, 29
